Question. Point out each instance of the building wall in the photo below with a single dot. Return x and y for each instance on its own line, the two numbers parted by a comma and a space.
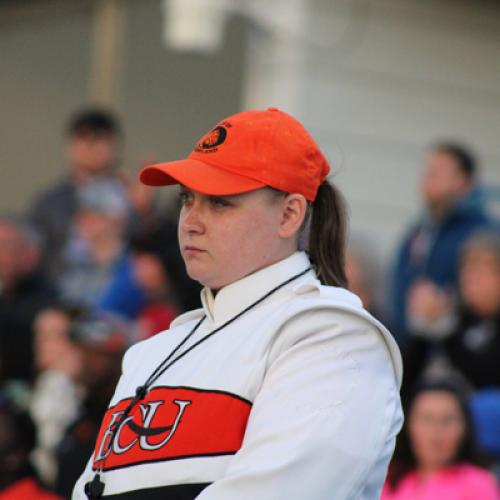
375, 82
44, 58
170, 99
166, 99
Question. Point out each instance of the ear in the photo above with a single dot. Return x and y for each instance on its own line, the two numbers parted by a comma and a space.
464, 185
293, 213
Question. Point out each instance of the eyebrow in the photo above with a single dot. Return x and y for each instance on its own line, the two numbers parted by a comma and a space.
184, 188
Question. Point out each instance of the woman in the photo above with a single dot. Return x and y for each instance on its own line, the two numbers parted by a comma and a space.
474, 346
56, 397
471, 345
281, 386
435, 457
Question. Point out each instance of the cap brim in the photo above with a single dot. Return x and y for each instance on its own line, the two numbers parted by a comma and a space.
197, 176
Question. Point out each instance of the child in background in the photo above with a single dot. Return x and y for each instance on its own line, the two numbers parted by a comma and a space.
56, 397
152, 271
471, 343
435, 455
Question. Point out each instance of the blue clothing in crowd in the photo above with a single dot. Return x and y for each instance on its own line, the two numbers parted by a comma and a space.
431, 251
123, 295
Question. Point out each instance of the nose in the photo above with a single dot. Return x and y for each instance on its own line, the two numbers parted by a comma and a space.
191, 220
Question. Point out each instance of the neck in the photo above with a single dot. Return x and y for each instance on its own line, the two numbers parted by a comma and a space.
106, 249
10, 285
425, 471
9, 477
486, 310
79, 175
439, 210
270, 262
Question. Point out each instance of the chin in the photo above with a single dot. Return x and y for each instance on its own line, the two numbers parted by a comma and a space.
197, 274
206, 281
197, 271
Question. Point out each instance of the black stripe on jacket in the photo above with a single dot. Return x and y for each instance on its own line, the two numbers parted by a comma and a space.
175, 492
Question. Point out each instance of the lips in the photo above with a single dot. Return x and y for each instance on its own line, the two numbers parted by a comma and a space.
190, 248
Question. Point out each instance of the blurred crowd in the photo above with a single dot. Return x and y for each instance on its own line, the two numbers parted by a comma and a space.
443, 306
93, 267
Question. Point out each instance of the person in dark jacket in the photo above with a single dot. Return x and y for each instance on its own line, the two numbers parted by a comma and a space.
472, 345
23, 293
18, 478
101, 338
93, 151
426, 266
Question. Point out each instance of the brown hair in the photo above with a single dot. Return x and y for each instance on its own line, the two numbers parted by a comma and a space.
462, 156
325, 227
404, 460
482, 239
327, 235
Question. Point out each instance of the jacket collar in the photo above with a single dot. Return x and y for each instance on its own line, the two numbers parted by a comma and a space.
236, 296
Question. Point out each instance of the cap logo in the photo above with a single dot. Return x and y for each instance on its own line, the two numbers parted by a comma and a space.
210, 142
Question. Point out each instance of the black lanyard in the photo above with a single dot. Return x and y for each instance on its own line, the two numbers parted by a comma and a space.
95, 488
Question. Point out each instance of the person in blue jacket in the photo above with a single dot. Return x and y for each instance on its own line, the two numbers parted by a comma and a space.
425, 272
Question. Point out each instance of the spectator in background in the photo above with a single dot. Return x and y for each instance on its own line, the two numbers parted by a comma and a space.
23, 293
159, 236
152, 272
426, 265
435, 455
468, 339
101, 339
93, 151
56, 398
362, 267
18, 480
96, 265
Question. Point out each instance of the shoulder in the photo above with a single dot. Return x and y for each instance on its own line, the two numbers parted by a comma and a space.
334, 314
322, 307
477, 478
187, 317
471, 481
467, 217
406, 487
319, 303
53, 192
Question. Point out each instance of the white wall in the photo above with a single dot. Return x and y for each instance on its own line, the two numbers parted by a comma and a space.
375, 81
44, 58
166, 99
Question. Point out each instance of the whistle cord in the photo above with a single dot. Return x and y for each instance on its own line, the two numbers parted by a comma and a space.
94, 489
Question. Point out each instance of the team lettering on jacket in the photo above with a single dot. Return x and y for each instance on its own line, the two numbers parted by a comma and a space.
172, 423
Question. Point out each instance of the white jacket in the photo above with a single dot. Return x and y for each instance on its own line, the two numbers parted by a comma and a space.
296, 400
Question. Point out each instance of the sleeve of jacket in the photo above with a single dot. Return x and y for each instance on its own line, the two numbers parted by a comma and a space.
323, 424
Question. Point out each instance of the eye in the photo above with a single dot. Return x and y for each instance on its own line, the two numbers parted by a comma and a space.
218, 202
185, 197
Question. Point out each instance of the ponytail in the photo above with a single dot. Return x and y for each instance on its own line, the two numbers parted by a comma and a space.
327, 235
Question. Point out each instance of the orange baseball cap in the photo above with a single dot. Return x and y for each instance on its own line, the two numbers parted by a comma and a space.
248, 151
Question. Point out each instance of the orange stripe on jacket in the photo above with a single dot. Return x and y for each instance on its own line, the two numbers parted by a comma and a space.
172, 423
